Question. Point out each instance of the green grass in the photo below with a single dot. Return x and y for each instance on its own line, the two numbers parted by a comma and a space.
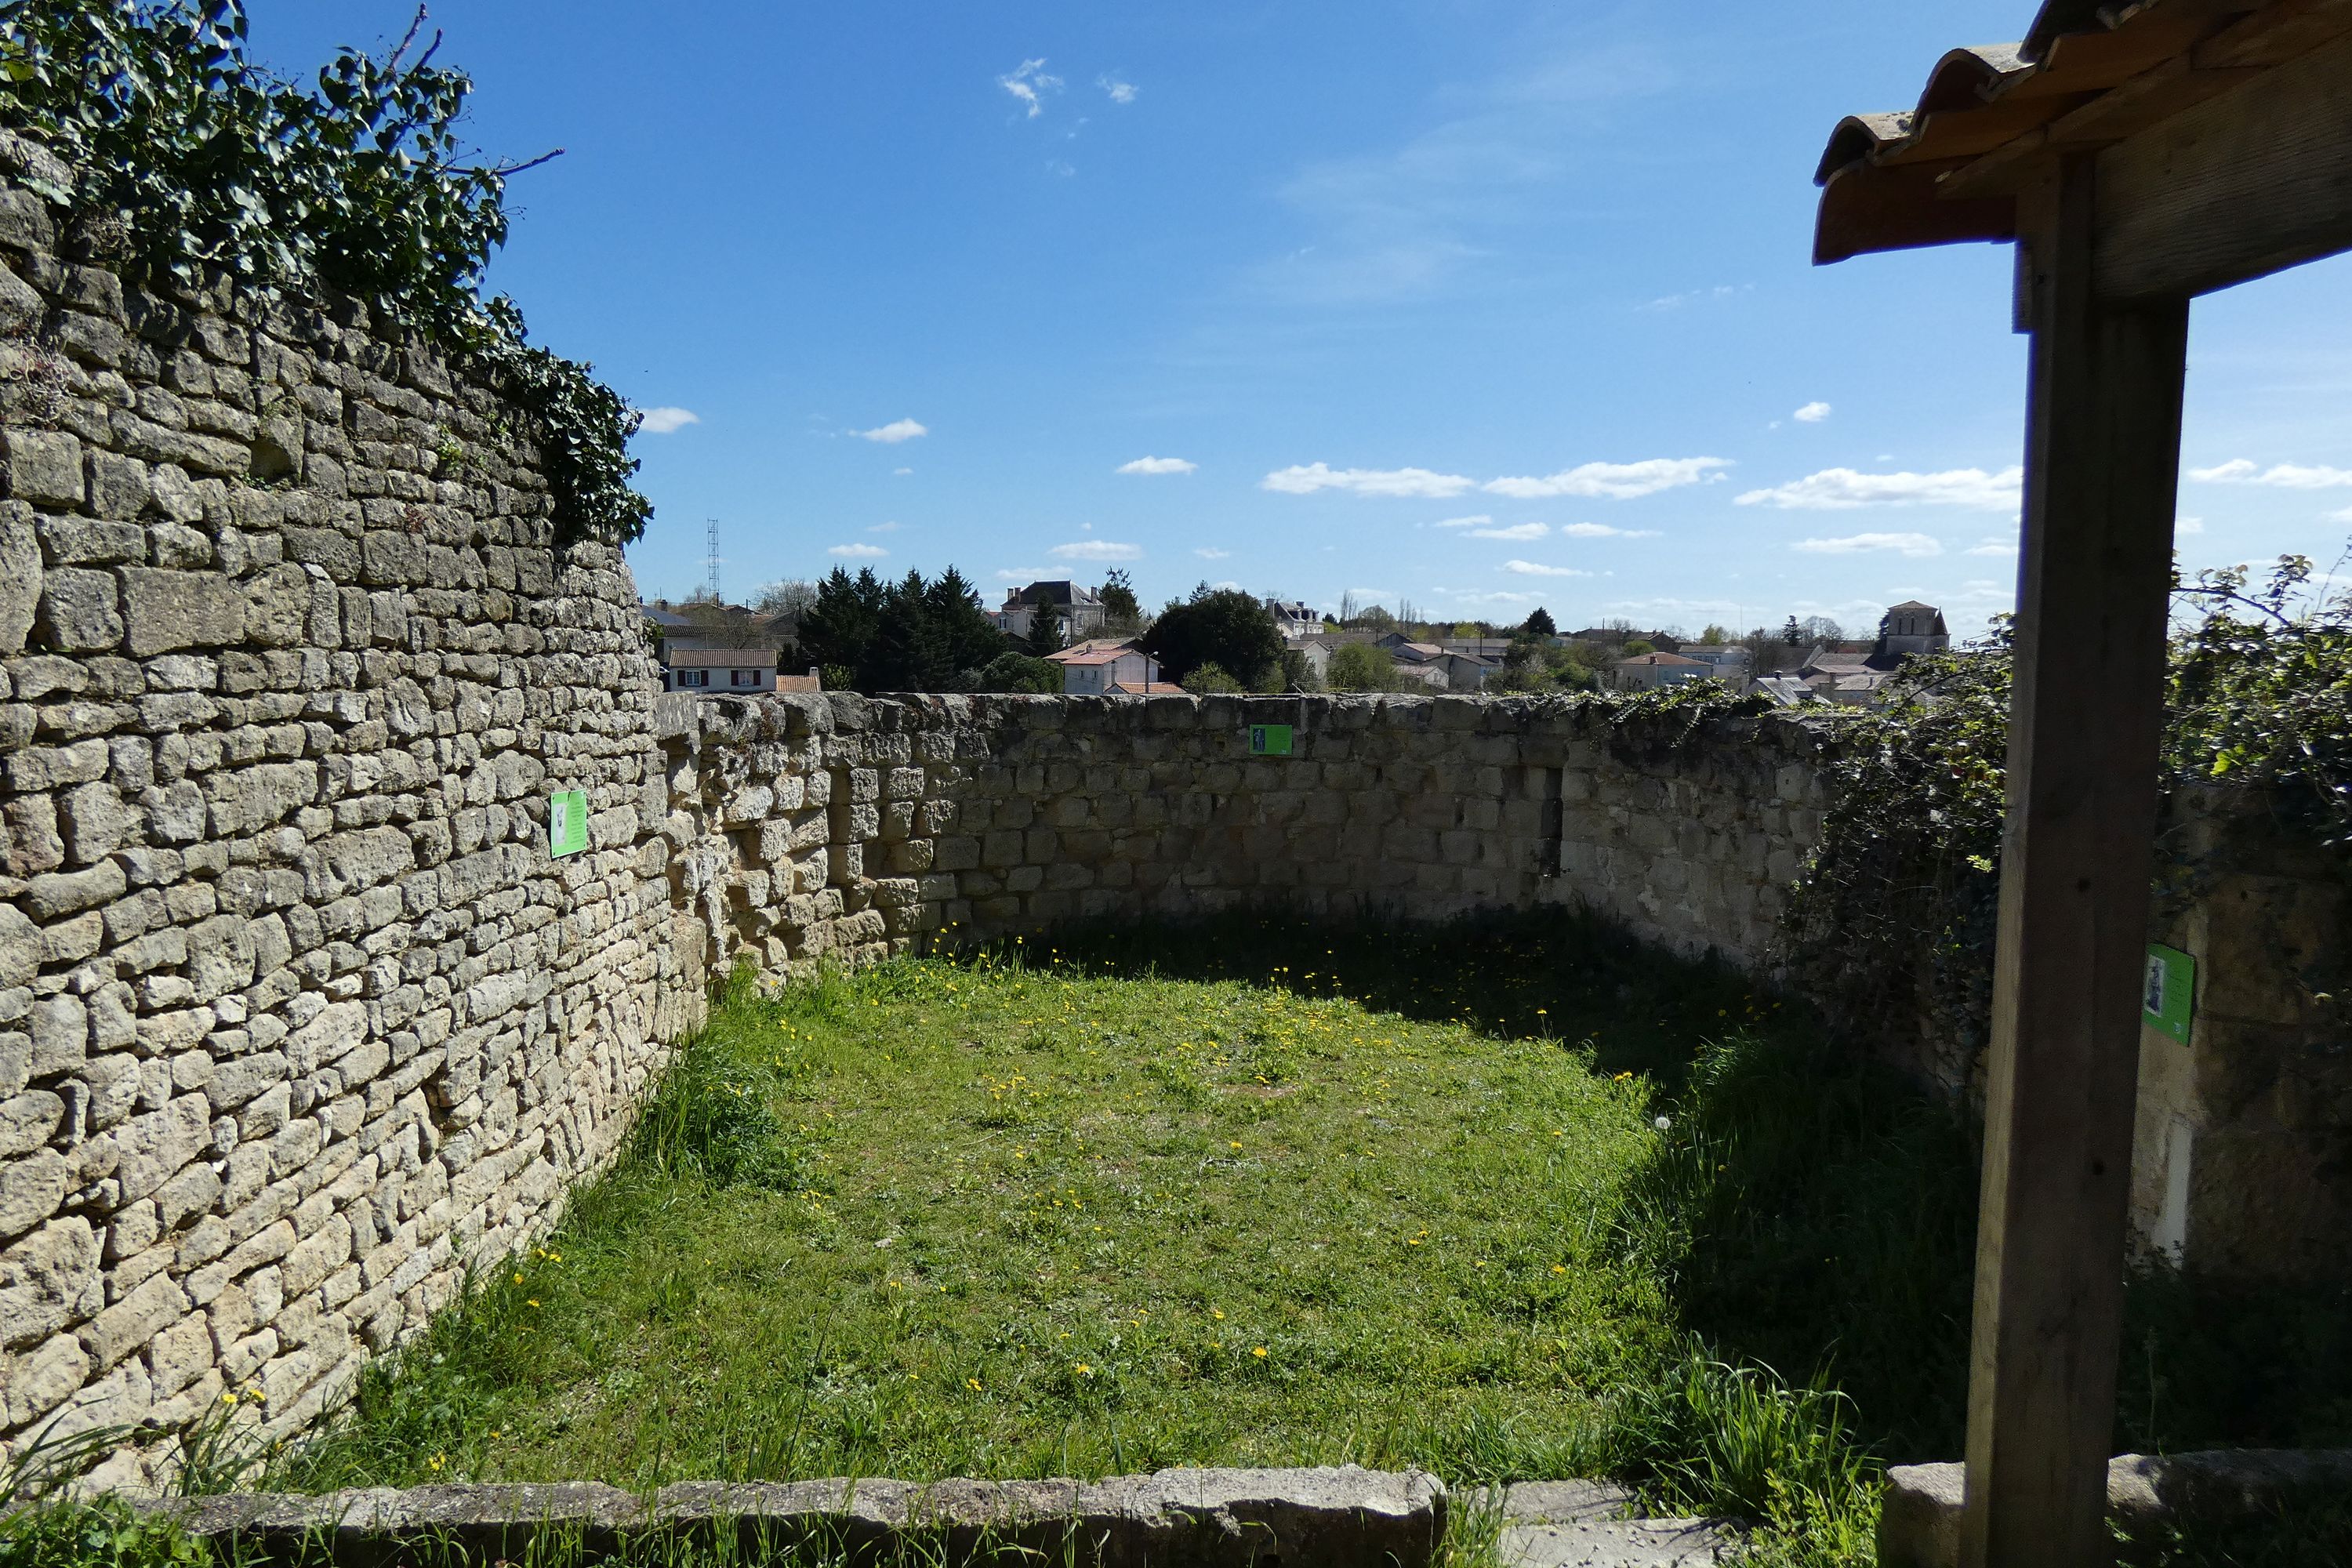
1040, 1210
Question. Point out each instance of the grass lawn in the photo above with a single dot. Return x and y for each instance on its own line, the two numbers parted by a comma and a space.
1502, 1199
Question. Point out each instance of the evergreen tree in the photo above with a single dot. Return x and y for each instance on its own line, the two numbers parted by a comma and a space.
1540, 624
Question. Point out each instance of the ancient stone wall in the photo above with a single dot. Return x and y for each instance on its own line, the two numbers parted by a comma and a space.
807, 827
296, 1010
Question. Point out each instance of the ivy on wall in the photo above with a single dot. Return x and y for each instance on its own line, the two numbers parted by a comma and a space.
1895, 914
190, 162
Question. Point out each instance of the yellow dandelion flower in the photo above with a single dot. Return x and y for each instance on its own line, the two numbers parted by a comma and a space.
1259, 1352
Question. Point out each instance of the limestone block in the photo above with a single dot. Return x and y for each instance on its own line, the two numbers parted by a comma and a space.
80, 611
166, 609
48, 1280
42, 1378
43, 466
20, 575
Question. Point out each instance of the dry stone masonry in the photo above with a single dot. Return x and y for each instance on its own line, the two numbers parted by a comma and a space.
295, 1012
808, 828
301, 1016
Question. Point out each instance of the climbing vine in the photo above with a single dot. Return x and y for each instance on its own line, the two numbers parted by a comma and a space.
190, 162
1893, 916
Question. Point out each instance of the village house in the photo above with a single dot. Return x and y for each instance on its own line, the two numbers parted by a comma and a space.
1296, 621
728, 672
1653, 671
1104, 666
1079, 612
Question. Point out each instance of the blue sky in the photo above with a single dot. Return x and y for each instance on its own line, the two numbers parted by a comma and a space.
1479, 305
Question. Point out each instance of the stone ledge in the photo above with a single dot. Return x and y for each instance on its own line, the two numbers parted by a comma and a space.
1920, 1524
1172, 1519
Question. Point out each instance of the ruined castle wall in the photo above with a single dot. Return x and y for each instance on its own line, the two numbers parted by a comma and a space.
296, 1009
804, 828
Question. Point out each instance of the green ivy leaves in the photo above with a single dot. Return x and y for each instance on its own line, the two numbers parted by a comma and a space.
190, 161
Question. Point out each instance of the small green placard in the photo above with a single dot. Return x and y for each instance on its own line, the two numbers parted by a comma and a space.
1270, 739
2168, 991
567, 822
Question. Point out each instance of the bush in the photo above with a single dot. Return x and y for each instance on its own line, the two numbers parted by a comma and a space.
1210, 680
1223, 627
1363, 667
1019, 672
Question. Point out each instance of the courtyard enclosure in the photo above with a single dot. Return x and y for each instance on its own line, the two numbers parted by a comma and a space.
2139, 157
301, 1012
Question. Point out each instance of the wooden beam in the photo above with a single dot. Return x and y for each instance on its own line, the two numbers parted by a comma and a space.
2255, 180
2085, 715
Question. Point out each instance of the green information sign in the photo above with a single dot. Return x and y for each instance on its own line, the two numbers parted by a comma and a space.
1270, 739
567, 822
2169, 992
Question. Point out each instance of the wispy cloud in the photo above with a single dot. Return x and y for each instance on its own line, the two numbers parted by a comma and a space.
858, 551
1158, 466
1993, 544
1911, 545
1117, 90
1514, 531
1617, 482
1602, 530
1474, 596
2196, 524
1019, 574
1030, 84
1450, 207
1211, 552
892, 526
1536, 569
1480, 520
1096, 550
1301, 479
900, 473
1842, 489
1696, 296
662, 421
2344, 516
2285, 476
1812, 413
893, 433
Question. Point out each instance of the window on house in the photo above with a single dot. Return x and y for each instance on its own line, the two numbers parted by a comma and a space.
744, 677
694, 677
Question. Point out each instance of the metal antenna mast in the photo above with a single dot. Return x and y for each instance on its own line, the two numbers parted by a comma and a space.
712, 553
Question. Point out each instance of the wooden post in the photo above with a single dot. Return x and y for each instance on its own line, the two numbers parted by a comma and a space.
2085, 717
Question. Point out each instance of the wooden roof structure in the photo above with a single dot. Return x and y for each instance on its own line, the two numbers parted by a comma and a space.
2139, 154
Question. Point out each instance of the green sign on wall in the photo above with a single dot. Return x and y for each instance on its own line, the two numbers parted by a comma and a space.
2168, 991
567, 822
1270, 739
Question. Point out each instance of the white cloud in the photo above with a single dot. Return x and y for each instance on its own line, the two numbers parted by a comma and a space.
1536, 569
1096, 550
901, 473
1695, 296
884, 527
1229, 584
1120, 92
858, 551
2344, 516
2285, 476
1307, 478
1020, 574
1516, 531
1472, 596
1373, 593
1812, 413
1602, 530
1029, 83
1157, 466
1481, 521
1618, 482
1841, 489
2196, 524
893, 433
662, 421
1911, 545
1211, 552
1993, 544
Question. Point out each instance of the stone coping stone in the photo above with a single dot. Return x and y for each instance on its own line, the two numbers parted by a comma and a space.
1919, 1526
1339, 1517
1592, 1524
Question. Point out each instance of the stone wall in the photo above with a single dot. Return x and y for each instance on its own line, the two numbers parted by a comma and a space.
804, 828
296, 1010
